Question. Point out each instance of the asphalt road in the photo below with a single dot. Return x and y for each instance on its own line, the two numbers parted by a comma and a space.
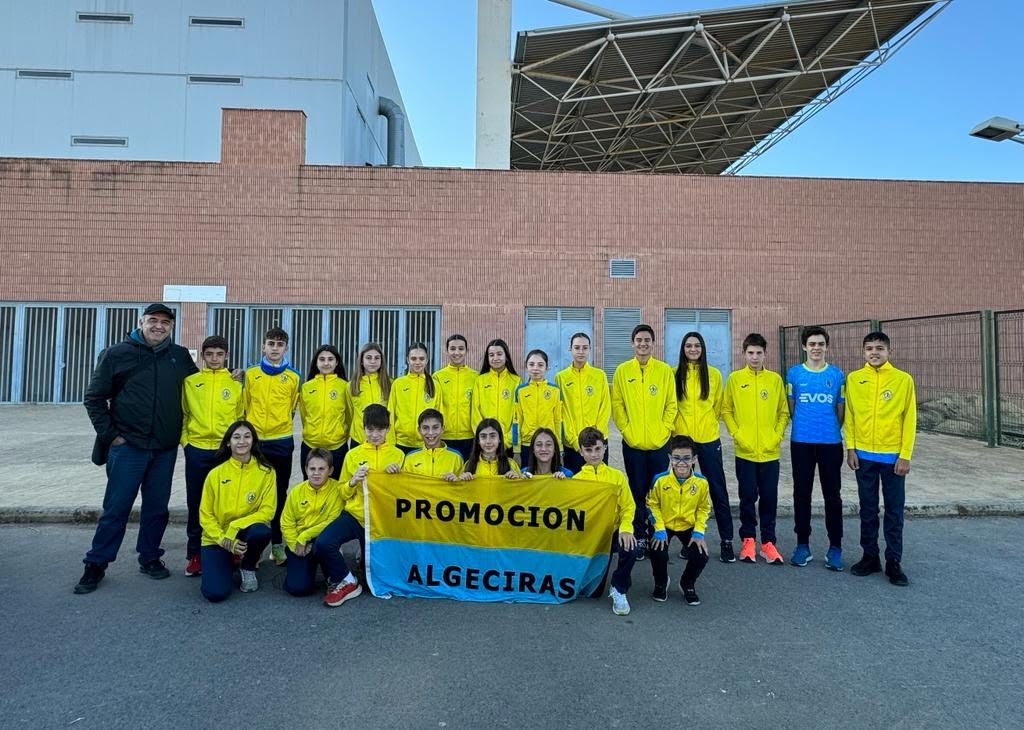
769, 647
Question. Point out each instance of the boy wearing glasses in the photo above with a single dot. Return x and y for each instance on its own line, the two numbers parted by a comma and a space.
678, 505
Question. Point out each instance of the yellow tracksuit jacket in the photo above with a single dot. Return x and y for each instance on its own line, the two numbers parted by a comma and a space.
324, 409
881, 411
270, 401
210, 402
536, 405
604, 473
407, 400
433, 462
456, 385
586, 401
378, 458
698, 418
679, 504
755, 412
307, 511
644, 403
235, 496
490, 468
369, 392
493, 395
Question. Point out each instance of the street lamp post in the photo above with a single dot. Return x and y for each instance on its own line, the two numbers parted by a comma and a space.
997, 129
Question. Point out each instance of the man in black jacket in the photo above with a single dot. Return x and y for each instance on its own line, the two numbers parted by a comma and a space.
134, 402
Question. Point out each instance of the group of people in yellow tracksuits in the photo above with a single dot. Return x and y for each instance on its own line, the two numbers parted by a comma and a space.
458, 423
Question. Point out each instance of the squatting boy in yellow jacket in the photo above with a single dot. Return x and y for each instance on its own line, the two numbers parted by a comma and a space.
494, 389
271, 394
373, 455
586, 399
593, 446
699, 397
880, 422
435, 459
678, 506
410, 395
455, 381
211, 400
324, 407
311, 506
755, 412
239, 500
644, 410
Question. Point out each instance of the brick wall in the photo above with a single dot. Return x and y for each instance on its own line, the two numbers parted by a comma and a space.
485, 244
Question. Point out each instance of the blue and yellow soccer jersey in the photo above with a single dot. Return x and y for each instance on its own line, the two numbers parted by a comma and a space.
815, 395
537, 405
270, 401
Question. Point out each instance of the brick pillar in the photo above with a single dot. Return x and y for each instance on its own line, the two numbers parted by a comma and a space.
262, 138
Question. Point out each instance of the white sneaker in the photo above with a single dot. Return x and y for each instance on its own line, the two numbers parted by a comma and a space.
620, 606
249, 582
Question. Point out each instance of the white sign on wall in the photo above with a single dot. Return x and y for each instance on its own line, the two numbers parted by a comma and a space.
192, 293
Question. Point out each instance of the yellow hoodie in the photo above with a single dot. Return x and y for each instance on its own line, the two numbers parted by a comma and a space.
378, 458
324, 408
586, 401
698, 418
881, 411
456, 386
307, 511
679, 504
490, 468
604, 473
537, 405
408, 399
493, 395
235, 496
369, 392
210, 402
755, 412
270, 401
644, 403
433, 462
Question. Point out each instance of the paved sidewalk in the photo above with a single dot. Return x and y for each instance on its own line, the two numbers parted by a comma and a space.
46, 475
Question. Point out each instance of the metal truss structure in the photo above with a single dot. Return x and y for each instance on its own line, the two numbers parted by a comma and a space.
698, 92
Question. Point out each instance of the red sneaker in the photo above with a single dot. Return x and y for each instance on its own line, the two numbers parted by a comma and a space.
747, 551
338, 593
194, 566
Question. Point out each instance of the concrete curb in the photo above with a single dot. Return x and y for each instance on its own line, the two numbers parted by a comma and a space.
178, 515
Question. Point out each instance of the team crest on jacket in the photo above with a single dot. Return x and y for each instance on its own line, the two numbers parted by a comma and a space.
547, 395
653, 389
332, 394
250, 497
589, 390
886, 394
693, 489
225, 394
283, 378
764, 394
469, 394
505, 394
426, 397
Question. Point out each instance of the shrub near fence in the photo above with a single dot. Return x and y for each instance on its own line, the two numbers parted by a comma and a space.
968, 368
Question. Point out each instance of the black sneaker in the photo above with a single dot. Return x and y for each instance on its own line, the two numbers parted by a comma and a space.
689, 595
866, 566
155, 569
727, 556
683, 553
660, 594
641, 549
91, 578
895, 572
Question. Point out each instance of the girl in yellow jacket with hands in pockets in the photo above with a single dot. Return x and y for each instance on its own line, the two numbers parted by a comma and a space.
239, 501
325, 408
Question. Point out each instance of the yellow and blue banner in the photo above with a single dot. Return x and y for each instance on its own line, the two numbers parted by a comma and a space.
539, 540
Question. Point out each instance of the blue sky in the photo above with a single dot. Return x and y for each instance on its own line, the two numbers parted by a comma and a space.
907, 120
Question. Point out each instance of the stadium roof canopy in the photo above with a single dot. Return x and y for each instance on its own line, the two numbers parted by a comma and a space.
702, 92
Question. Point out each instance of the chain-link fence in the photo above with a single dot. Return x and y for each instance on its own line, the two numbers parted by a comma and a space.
968, 368
1009, 331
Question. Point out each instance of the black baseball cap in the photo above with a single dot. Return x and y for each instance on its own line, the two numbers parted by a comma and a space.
159, 308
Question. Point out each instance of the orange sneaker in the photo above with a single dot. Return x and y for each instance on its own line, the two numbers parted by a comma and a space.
770, 554
338, 593
747, 551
